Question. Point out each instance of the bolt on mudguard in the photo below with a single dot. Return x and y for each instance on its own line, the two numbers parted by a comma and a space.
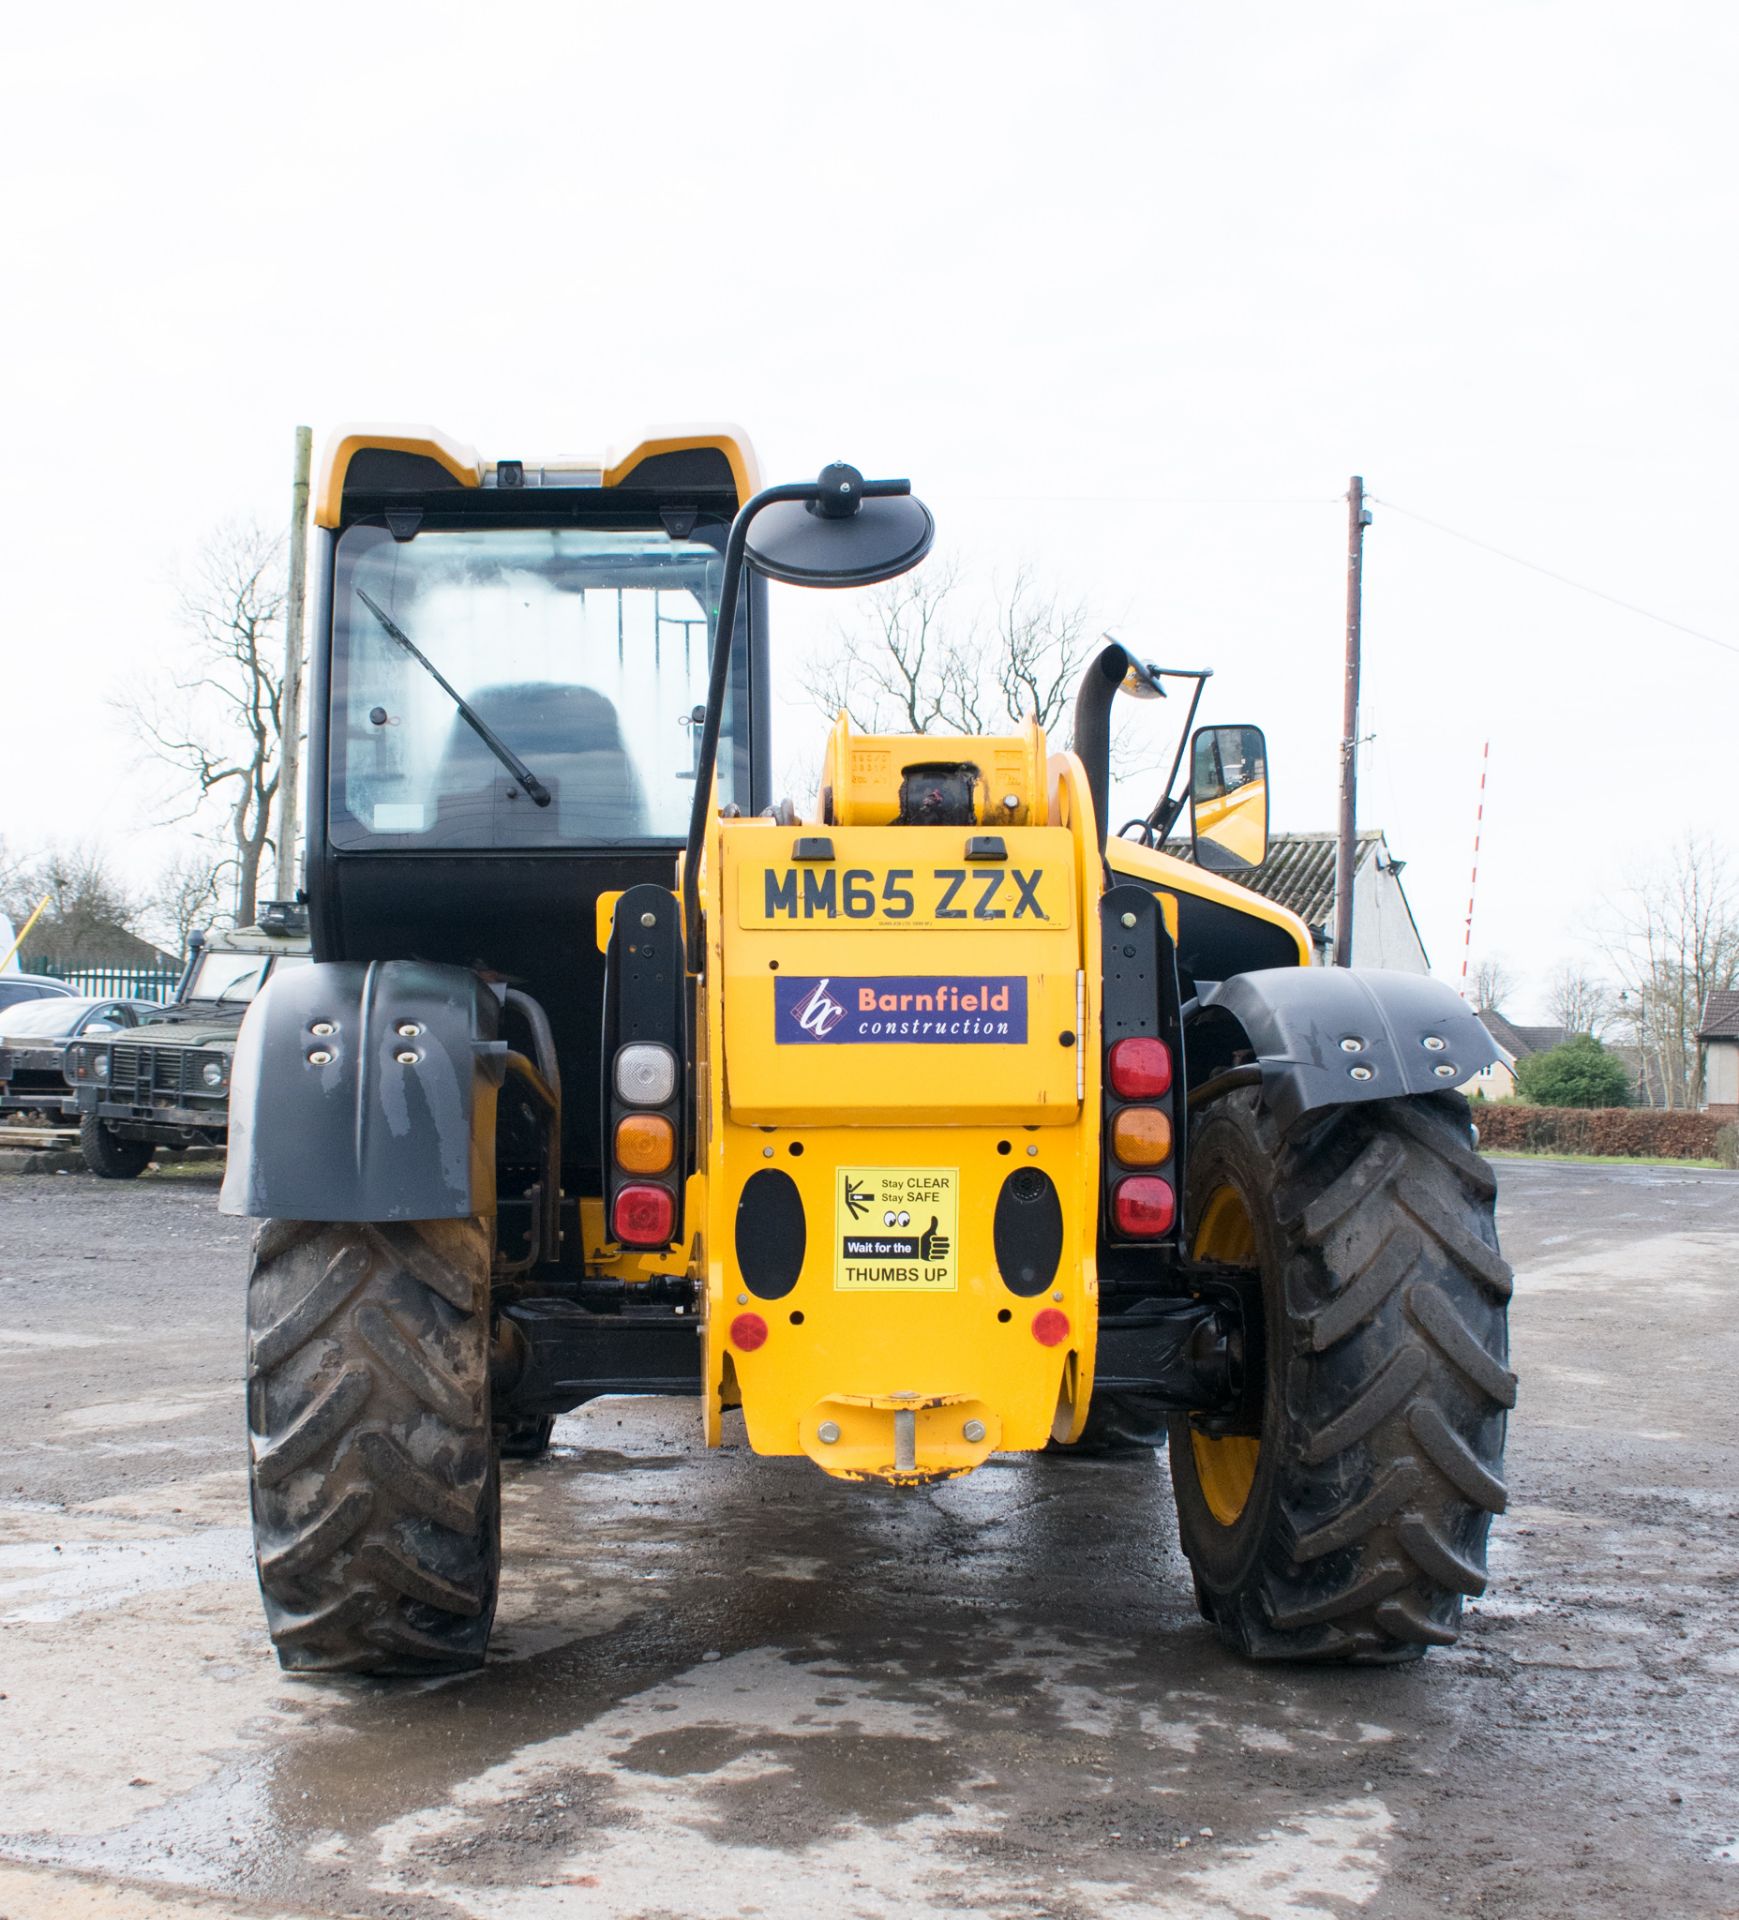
1330, 1036
380, 1081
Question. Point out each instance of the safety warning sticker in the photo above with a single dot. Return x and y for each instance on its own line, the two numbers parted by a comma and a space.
896, 1229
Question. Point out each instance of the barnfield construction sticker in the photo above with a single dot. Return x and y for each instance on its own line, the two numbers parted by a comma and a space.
897, 1229
922, 1010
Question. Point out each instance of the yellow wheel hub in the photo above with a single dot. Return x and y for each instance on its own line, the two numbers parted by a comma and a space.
1226, 1468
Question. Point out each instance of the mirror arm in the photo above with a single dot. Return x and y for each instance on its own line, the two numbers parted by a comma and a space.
1163, 818
1164, 815
718, 680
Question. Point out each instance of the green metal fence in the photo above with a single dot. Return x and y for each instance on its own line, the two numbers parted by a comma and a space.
124, 983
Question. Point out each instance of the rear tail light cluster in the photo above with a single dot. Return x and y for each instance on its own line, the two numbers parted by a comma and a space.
643, 1145
645, 1153
1142, 1114
1138, 1079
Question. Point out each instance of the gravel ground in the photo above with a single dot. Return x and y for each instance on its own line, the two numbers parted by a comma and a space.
724, 1686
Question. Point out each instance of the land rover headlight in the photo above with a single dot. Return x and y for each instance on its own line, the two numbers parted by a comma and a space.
100, 1067
212, 1073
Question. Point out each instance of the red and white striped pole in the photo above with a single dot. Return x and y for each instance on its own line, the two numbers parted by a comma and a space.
1473, 881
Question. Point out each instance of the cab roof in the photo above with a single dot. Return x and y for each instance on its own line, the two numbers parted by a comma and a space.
379, 461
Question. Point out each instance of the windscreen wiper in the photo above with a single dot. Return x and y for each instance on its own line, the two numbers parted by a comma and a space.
469, 714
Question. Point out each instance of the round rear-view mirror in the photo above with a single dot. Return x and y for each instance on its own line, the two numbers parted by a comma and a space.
792, 542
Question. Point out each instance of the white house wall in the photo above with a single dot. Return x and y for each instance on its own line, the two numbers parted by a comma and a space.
1383, 930
1496, 1082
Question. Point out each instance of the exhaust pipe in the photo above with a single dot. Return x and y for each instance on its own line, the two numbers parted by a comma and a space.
1115, 667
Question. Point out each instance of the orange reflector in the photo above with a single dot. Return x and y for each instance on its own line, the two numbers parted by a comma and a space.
1141, 1136
646, 1143
1051, 1327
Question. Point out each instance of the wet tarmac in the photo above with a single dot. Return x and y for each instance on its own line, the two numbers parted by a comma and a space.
725, 1686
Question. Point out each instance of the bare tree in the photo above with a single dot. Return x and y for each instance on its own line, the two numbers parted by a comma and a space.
218, 723
1673, 938
18, 893
1042, 643
922, 663
900, 671
1492, 983
89, 910
187, 896
1579, 1001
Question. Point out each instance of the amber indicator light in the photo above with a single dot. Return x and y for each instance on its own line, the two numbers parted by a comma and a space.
1141, 1137
646, 1143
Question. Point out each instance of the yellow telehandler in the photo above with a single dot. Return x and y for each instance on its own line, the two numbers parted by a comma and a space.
932, 1123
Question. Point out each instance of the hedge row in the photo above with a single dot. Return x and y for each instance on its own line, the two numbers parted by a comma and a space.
1643, 1132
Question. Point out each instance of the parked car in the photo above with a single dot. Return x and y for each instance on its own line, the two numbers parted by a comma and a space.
16, 989
167, 1083
34, 1036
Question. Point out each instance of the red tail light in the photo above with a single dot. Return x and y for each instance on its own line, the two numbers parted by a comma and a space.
643, 1216
1143, 1208
1140, 1069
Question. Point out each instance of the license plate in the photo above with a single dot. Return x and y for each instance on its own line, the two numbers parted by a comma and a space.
1000, 898
896, 1229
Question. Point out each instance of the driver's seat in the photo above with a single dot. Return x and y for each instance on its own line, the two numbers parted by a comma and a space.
571, 738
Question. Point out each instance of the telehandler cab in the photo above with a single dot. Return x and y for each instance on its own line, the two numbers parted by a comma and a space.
931, 1125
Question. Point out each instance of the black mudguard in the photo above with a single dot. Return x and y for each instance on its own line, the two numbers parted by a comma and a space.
399, 1122
1328, 1036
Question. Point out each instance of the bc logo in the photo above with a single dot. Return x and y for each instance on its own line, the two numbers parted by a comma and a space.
818, 1012
925, 1010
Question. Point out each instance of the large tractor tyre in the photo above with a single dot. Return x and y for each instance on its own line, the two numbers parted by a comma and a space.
1354, 1524
375, 1483
107, 1155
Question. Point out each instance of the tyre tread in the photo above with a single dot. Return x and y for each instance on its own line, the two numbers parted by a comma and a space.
317, 1426
1395, 1381
361, 1337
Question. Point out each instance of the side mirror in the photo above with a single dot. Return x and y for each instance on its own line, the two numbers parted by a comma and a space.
1229, 798
838, 530
842, 537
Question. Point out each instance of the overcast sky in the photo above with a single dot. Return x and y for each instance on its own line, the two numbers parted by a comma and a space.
1129, 291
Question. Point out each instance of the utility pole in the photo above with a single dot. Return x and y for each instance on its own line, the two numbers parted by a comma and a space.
1473, 878
1358, 518
290, 773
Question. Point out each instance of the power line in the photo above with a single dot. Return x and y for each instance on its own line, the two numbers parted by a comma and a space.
1138, 499
1563, 579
